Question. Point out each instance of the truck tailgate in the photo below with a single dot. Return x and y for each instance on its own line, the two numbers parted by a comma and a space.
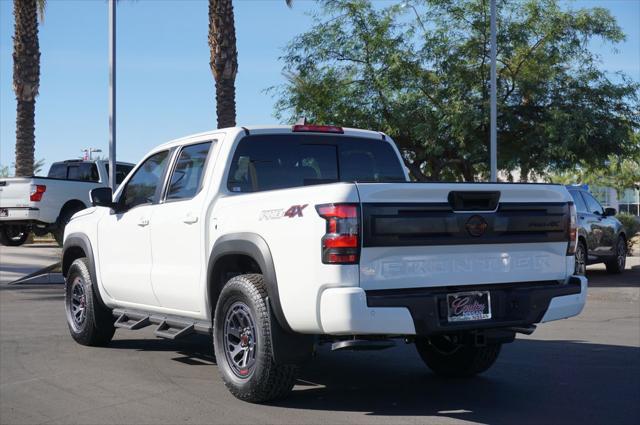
438, 234
14, 192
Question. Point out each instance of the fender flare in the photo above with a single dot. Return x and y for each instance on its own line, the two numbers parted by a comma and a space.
67, 205
80, 240
254, 246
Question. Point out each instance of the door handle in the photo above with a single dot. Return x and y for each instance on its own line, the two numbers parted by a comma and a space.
190, 219
143, 222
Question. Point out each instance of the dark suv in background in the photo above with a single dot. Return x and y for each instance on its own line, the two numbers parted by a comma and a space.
601, 236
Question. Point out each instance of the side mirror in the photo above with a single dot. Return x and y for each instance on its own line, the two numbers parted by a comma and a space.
102, 197
609, 212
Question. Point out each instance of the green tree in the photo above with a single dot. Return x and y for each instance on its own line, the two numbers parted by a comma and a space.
616, 172
224, 58
5, 170
419, 71
26, 79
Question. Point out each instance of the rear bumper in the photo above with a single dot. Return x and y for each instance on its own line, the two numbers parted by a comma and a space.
423, 311
20, 215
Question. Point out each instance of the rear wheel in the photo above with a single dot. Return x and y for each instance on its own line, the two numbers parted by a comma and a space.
581, 259
447, 358
63, 220
618, 263
243, 344
13, 235
90, 322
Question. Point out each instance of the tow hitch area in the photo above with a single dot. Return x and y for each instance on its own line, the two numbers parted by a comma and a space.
362, 344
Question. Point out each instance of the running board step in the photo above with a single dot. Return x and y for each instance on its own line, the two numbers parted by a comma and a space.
130, 323
362, 344
169, 327
170, 330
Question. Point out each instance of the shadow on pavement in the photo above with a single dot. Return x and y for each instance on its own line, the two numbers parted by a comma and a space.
533, 382
195, 350
599, 278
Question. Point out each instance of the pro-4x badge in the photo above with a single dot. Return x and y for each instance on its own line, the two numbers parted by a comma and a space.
291, 212
295, 211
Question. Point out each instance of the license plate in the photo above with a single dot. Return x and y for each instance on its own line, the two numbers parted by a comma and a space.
4, 212
468, 306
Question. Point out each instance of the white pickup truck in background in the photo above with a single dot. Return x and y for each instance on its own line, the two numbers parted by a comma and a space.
274, 239
46, 204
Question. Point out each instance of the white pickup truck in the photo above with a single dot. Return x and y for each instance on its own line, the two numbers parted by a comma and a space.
274, 239
45, 204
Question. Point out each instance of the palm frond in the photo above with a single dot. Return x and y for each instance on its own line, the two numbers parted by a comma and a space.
42, 4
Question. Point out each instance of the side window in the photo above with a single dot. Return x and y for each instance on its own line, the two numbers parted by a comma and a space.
187, 173
577, 199
143, 185
592, 205
58, 171
122, 170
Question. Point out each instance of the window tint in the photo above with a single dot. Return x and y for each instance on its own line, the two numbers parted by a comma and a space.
577, 199
592, 205
142, 187
187, 174
282, 161
122, 170
83, 171
58, 171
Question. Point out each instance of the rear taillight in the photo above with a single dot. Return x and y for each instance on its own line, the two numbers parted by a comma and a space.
573, 229
341, 243
37, 191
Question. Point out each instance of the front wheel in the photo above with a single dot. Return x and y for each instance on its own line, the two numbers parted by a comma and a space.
618, 263
447, 358
90, 322
13, 235
243, 344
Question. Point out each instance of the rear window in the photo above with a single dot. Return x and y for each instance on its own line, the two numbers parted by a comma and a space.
267, 162
85, 171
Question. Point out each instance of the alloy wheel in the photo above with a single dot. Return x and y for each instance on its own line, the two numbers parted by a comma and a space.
78, 303
240, 340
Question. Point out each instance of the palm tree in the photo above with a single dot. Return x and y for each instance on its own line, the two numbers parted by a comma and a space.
224, 58
26, 79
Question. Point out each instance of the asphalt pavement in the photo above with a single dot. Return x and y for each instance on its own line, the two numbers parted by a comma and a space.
18, 262
583, 370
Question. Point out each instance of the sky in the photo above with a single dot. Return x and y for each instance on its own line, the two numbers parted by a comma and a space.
165, 88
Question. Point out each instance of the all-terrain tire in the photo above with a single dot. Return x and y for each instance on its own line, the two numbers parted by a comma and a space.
89, 321
244, 299
617, 264
460, 362
12, 235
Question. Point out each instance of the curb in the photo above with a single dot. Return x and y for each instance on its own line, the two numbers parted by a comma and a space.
42, 276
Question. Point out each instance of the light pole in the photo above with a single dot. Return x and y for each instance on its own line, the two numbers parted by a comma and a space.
112, 94
493, 146
87, 153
